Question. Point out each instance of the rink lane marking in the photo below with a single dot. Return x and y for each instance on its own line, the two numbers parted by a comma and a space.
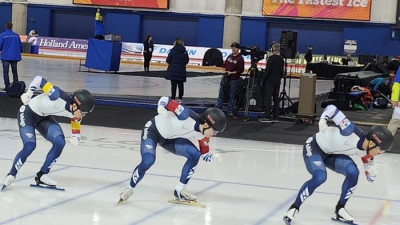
384, 210
275, 210
17, 218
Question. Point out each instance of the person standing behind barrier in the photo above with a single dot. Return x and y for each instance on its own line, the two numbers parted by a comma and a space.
232, 68
177, 60
394, 122
271, 83
99, 30
308, 58
11, 48
148, 48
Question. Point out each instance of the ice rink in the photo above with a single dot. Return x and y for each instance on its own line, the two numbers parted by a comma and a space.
254, 184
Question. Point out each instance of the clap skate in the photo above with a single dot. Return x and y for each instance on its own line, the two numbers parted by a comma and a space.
44, 181
125, 195
291, 213
186, 198
343, 216
7, 181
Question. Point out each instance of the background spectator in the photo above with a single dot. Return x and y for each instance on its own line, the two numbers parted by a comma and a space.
98, 26
148, 48
176, 72
308, 58
232, 68
11, 48
271, 83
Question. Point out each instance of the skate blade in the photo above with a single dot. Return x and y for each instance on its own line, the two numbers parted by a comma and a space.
120, 201
287, 220
3, 187
343, 221
47, 187
190, 203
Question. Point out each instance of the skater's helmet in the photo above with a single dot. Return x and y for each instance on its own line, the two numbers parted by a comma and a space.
84, 100
215, 118
381, 136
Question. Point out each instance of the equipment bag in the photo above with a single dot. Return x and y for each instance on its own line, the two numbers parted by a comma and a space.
16, 89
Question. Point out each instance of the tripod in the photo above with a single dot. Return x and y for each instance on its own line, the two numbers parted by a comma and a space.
283, 95
250, 87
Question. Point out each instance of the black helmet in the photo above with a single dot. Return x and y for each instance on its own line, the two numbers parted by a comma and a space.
381, 136
216, 118
84, 100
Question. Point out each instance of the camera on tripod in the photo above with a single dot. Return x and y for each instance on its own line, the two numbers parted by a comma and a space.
255, 53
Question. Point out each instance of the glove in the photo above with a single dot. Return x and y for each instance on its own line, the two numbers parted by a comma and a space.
322, 124
208, 157
26, 97
163, 101
370, 170
75, 139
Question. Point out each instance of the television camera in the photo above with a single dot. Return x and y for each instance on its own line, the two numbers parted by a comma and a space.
255, 53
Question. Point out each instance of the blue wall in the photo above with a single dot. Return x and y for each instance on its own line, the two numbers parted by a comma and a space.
209, 32
5, 15
326, 37
254, 32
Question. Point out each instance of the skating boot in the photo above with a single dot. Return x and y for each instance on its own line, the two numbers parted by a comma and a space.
184, 196
8, 181
45, 180
291, 213
342, 215
125, 195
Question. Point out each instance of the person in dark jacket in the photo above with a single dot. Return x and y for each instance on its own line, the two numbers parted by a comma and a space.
271, 82
99, 30
232, 68
11, 48
308, 58
177, 60
148, 48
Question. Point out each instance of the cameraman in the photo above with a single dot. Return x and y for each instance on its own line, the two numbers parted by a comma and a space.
232, 68
270, 83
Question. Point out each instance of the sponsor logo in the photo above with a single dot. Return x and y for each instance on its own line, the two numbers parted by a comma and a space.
308, 147
146, 130
317, 163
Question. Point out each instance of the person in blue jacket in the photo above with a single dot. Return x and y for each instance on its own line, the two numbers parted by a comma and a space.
11, 48
98, 26
177, 60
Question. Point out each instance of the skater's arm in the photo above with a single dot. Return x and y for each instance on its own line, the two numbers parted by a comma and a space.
346, 126
166, 104
76, 131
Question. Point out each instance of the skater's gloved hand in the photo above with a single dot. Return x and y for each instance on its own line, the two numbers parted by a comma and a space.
370, 170
26, 97
163, 101
323, 124
75, 139
208, 157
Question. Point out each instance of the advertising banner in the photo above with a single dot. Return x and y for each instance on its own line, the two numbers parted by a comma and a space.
319, 9
130, 51
151, 4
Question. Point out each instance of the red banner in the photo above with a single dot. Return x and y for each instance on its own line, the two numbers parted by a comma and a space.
153, 4
321, 9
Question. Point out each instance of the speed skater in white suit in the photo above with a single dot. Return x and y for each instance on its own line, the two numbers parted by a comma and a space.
331, 148
37, 113
172, 129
